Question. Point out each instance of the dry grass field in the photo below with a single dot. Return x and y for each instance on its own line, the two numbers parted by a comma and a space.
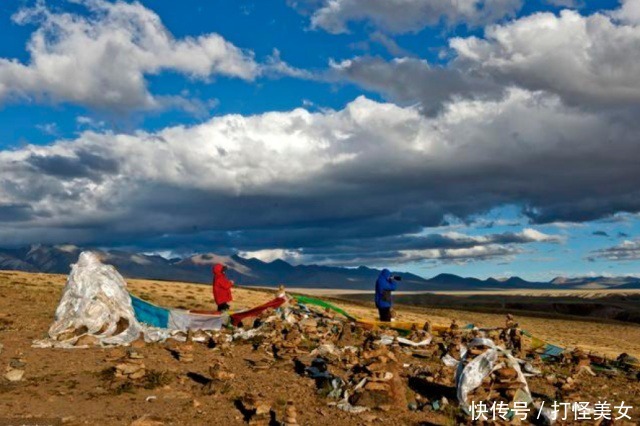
608, 339
69, 384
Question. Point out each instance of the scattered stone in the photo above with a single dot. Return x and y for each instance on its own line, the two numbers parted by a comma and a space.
140, 343
290, 415
17, 363
14, 375
185, 353
255, 410
132, 367
87, 340
218, 372
147, 420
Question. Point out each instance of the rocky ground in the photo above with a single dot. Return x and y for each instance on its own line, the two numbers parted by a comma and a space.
289, 372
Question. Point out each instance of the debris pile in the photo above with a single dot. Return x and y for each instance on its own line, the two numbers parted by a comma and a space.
184, 353
256, 410
220, 379
95, 307
490, 373
290, 415
355, 366
131, 367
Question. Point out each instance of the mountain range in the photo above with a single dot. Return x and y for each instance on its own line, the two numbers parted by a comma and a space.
254, 272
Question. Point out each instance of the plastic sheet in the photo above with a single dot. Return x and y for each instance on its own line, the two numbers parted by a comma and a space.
470, 375
388, 340
184, 320
95, 301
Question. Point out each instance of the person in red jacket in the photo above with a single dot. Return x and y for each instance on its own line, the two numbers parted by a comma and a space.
221, 287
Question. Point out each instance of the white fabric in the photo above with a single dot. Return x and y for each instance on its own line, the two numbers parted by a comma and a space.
96, 297
183, 320
470, 375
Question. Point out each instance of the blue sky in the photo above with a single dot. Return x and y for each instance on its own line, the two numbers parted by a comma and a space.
492, 139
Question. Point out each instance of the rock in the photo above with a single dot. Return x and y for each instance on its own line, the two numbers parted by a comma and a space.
132, 354
506, 374
138, 374
147, 420
368, 417
14, 375
177, 395
126, 368
138, 344
185, 353
217, 373
257, 410
290, 415
196, 403
87, 340
1, 347
17, 363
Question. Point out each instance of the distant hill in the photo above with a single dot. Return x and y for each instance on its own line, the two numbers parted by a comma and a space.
253, 272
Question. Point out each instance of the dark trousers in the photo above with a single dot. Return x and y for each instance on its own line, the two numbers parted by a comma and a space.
385, 314
223, 307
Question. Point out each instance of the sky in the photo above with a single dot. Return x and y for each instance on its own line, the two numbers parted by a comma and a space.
475, 137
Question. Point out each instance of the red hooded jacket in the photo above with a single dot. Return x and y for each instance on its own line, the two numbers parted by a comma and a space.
221, 286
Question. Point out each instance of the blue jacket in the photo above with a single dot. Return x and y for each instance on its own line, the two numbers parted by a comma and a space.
384, 286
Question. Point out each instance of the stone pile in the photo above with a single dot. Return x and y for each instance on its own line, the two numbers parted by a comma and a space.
502, 384
290, 415
256, 410
131, 367
220, 379
15, 369
184, 352
511, 336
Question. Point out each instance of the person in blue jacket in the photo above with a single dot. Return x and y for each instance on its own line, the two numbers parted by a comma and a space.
385, 284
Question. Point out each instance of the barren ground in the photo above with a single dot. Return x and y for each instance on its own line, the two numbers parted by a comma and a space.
69, 383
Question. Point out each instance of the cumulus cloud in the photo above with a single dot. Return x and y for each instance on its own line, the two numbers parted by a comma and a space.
400, 16
410, 80
628, 250
629, 12
368, 173
101, 60
591, 59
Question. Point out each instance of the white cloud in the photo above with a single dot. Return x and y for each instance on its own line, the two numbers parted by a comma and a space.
503, 247
591, 61
49, 129
269, 255
585, 59
102, 60
370, 170
628, 250
566, 3
629, 12
463, 255
402, 16
410, 80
